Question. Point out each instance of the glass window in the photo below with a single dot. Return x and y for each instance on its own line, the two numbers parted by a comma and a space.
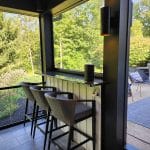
77, 37
19, 61
19, 49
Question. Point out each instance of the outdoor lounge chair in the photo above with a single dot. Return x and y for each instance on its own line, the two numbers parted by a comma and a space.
71, 112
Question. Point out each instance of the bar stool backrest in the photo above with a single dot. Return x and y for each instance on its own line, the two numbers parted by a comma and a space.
38, 94
62, 109
26, 88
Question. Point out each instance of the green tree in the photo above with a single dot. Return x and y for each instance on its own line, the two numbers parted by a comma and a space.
8, 36
141, 11
139, 51
19, 43
136, 29
77, 37
139, 47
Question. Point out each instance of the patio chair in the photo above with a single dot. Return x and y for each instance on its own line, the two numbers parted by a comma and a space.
144, 75
38, 93
29, 97
138, 77
71, 112
135, 78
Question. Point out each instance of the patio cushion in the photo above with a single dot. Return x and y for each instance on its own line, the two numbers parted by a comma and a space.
144, 75
135, 77
82, 111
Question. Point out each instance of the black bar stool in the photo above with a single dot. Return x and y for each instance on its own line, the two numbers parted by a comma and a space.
71, 112
29, 116
38, 93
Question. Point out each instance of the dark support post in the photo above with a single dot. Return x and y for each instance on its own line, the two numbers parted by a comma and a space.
114, 93
47, 48
46, 38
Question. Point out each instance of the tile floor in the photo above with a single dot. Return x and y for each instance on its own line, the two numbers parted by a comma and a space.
19, 138
137, 135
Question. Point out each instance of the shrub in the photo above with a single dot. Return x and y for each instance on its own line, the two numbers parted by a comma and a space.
11, 77
8, 101
139, 51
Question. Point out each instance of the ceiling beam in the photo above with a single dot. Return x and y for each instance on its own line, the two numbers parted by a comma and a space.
34, 7
54, 3
19, 6
64, 5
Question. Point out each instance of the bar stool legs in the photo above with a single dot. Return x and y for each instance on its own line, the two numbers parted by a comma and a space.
26, 110
50, 133
35, 122
70, 138
94, 132
33, 114
46, 129
94, 125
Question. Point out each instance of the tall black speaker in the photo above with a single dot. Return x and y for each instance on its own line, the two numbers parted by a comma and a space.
105, 21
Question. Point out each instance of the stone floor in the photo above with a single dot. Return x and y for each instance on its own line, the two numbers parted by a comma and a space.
145, 92
19, 138
137, 135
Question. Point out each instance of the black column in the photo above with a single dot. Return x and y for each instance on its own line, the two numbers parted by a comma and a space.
47, 47
114, 93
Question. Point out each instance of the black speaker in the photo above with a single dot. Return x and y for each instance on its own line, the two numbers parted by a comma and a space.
89, 73
105, 21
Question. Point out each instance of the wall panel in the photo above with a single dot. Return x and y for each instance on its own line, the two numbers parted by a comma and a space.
82, 91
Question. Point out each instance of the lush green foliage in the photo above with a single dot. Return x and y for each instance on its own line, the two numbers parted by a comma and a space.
139, 51
77, 38
141, 12
19, 57
139, 45
140, 34
19, 43
9, 98
8, 102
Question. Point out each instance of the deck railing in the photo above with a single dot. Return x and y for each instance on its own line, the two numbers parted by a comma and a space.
12, 105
